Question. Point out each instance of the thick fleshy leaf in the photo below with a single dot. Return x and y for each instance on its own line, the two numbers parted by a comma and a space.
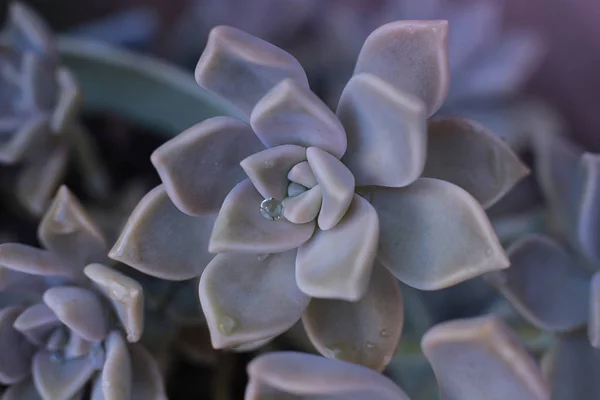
80, 309
302, 174
306, 376
202, 164
412, 56
39, 179
28, 133
250, 297
24, 390
481, 358
337, 264
269, 168
594, 317
241, 228
36, 323
30, 260
337, 186
15, 351
545, 284
61, 379
463, 152
304, 207
292, 114
434, 234
16, 281
161, 241
125, 294
365, 332
68, 231
588, 216
116, 373
556, 165
146, 380
26, 31
242, 68
295, 189
68, 102
386, 132
571, 367
78, 347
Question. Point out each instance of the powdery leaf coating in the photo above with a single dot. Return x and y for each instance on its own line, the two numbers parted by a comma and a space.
242, 68
36, 323
68, 231
250, 297
79, 309
34, 261
195, 170
292, 114
337, 264
412, 56
545, 284
480, 358
116, 373
386, 131
305, 376
61, 380
594, 316
434, 234
241, 228
365, 332
146, 380
15, 351
303, 207
337, 186
571, 367
588, 218
147, 241
125, 294
302, 174
466, 154
268, 169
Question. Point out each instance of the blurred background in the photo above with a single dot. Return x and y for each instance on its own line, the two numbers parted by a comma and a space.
318, 30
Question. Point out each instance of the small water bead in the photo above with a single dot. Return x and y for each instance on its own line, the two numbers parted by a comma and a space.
271, 209
226, 324
385, 333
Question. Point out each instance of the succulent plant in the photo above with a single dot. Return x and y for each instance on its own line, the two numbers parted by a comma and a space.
38, 111
473, 359
562, 261
68, 319
299, 203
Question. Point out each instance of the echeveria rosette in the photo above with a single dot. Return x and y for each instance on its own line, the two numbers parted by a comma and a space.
39, 101
472, 359
553, 281
67, 319
303, 203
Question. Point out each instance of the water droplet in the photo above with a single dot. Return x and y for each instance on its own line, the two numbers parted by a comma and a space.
370, 345
226, 324
262, 257
385, 333
271, 209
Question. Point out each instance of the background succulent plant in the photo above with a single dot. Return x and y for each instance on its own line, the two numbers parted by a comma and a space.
68, 319
300, 194
40, 103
